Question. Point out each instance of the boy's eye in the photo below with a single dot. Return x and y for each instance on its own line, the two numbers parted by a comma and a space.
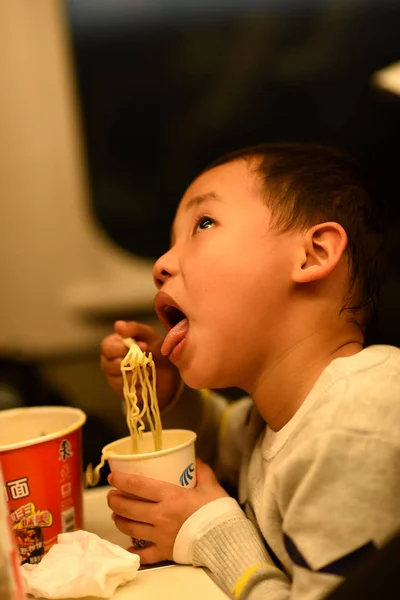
204, 223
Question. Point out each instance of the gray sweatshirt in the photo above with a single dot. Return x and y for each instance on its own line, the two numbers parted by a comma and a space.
314, 498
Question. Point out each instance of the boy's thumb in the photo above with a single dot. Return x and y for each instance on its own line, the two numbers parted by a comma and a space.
121, 328
204, 473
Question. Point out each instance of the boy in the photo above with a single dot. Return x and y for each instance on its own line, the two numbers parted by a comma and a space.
268, 285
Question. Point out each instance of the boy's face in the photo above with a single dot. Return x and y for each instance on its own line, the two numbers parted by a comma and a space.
229, 274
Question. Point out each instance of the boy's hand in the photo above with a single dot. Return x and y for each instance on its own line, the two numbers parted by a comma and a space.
113, 351
153, 510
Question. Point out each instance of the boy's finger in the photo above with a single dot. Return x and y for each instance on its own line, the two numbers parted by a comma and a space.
138, 331
139, 486
134, 529
111, 367
144, 346
204, 473
139, 511
148, 556
113, 347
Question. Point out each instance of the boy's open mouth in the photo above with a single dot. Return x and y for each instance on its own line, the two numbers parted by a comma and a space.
168, 310
173, 316
174, 320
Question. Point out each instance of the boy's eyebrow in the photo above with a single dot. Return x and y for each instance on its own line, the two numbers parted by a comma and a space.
196, 201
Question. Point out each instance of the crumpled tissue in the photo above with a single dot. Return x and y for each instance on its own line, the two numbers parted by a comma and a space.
81, 564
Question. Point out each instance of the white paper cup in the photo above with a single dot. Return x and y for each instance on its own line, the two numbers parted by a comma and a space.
175, 463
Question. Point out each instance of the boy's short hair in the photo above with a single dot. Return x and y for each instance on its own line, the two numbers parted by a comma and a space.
307, 184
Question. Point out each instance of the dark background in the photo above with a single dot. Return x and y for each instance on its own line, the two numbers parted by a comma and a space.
168, 85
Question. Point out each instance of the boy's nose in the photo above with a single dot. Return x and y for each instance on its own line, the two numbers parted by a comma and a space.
160, 273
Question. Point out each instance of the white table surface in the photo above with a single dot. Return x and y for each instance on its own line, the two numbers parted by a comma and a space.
171, 582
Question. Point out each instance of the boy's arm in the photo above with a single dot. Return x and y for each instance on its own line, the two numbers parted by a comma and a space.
338, 496
221, 538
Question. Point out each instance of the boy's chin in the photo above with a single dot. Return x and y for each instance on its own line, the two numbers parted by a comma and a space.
197, 380
194, 382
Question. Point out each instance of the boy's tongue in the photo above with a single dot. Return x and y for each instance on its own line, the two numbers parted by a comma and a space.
174, 336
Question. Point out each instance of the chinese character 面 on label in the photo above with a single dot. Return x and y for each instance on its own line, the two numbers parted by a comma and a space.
18, 488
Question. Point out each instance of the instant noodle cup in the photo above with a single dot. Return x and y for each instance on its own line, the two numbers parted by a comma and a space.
41, 460
11, 585
175, 463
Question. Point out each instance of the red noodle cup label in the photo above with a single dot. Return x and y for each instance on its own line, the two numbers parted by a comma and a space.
10, 578
43, 487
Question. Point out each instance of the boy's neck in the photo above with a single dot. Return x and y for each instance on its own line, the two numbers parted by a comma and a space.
286, 381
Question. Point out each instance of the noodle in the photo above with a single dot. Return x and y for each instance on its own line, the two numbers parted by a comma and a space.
92, 476
139, 365
136, 362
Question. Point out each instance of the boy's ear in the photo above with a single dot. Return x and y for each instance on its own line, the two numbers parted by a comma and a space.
323, 245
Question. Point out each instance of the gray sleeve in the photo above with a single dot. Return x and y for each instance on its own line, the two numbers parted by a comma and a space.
238, 561
339, 498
